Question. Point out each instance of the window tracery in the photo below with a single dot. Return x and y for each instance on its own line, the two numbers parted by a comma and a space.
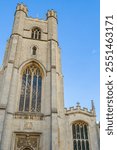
80, 136
36, 33
30, 97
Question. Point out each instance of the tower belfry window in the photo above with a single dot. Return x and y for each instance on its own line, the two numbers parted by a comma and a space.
30, 97
36, 34
80, 136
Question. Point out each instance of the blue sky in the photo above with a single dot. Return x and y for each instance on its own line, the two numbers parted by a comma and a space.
78, 31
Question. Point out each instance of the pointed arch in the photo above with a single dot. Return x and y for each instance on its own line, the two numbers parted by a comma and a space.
80, 135
36, 62
36, 33
31, 87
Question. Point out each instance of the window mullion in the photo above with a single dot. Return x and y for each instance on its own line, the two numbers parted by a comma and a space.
81, 143
84, 136
77, 144
31, 91
36, 93
38, 35
76, 131
84, 131
85, 145
34, 35
25, 91
80, 131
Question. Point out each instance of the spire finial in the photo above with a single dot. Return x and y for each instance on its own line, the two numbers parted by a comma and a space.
51, 13
92, 106
22, 7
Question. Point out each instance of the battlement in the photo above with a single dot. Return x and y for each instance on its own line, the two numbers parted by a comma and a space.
22, 7
80, 110
51, 13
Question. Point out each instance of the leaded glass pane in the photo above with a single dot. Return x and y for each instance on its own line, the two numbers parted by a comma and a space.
87, 145
83, 145
27, 102
75, 145
78, 132
82, 133
39, 34
74, 131
39, 94
36, 35
22, 93
34, 93
79, 145
86, 135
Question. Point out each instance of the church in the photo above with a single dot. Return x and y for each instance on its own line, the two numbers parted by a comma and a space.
32, 113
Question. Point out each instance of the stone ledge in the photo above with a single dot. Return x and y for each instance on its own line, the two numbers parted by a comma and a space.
28, 115
3, 107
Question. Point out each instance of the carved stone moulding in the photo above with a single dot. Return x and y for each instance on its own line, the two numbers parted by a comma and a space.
27, 141
28, 115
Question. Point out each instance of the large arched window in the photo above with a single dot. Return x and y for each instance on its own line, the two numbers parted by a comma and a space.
80, 136
30, 97
36, 33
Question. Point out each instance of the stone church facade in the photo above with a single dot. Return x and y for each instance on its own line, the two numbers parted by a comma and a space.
32, 113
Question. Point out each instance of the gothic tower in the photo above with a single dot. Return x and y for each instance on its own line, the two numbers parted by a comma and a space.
32, 114
32, 92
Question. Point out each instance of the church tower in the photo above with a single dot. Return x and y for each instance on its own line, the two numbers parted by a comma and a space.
32, 94
32, 114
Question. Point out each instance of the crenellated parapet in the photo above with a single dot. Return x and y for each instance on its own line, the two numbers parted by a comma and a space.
79, 109
51, 13
22, 7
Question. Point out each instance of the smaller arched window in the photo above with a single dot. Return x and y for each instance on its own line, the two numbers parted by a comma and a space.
80, 136
36, 33
34, 50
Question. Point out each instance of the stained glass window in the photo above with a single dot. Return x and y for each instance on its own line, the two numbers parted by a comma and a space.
80, 136
30, 97
36, 34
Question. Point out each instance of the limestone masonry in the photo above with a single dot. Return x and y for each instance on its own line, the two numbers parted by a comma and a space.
32, 114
